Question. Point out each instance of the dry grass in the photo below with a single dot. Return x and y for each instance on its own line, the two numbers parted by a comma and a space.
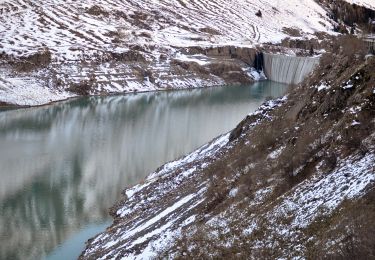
348, 233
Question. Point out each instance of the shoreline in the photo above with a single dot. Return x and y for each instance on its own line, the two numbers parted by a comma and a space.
6, 106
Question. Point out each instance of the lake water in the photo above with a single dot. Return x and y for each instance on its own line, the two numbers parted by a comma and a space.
63, 165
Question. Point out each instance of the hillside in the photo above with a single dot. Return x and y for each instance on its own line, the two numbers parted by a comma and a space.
366, 3
294, 179
52, 50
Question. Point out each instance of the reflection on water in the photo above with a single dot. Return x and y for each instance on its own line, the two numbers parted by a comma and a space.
62, 166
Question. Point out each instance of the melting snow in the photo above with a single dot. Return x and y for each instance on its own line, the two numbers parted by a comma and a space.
354, 123
274, 154
233, 192
200, 59
323, 86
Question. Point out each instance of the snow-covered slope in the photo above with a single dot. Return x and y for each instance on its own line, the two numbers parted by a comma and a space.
91, 25
122, 46
283, 184
366, 3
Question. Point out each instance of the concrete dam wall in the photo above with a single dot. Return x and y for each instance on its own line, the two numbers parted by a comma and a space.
288, 69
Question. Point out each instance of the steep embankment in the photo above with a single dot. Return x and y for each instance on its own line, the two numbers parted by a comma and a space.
51, 50
294, 179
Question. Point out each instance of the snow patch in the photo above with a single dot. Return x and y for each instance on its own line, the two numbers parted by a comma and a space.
323, 86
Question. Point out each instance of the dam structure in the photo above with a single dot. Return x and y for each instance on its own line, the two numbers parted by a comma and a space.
370, 43
288, 69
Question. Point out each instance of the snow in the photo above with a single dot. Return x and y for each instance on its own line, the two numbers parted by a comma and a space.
153, 220
355, 122
200, 59
233, 192
167, 230
255, 75
275, 154
366, 3
268, 106
355, 110
325, 193
28, 92
323, 86
200, 154
74, 37
318, 195
234, 20
205, 151
349, 86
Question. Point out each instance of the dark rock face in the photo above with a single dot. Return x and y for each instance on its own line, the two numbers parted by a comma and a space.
36, 61
83, 88
129, 56
350, 14
231, 72
259, 61
246, 55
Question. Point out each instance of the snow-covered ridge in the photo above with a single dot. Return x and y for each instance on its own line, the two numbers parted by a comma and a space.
113, 46
366, 3
70, 27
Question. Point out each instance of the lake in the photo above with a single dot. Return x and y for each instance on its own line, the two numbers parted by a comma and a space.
62, 166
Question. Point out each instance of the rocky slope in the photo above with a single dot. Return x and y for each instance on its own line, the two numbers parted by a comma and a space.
294, 179
366, 3
52, 50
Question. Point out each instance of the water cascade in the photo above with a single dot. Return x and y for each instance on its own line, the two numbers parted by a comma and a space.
288, 69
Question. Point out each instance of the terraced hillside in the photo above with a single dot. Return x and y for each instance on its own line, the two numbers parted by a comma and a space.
52, 50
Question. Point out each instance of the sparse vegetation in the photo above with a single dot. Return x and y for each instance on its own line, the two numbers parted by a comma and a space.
40, 59
97, 10
305, 133
84, 87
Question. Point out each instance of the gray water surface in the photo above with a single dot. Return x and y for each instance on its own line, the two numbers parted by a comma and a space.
63, 165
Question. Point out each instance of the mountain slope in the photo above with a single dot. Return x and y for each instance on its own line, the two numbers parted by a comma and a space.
366, 3
287, 182
92, 24
51, 50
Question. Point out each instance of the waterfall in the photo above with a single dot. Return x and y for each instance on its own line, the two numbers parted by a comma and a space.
288, 69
